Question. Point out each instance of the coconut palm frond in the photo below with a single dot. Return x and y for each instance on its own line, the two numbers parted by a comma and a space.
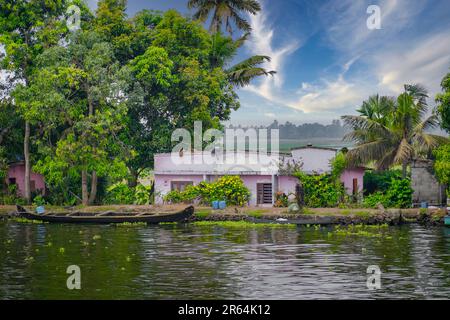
404, 152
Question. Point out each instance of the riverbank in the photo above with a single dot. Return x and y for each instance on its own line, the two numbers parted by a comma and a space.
316, 216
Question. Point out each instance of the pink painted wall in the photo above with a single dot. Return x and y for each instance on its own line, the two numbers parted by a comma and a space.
17, 171
287, 184
251, 183
347, 179
163, 183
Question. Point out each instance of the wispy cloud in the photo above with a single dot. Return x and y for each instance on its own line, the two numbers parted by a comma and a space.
262, 43
386, 58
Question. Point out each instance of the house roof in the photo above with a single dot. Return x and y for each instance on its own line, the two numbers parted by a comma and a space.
315, 147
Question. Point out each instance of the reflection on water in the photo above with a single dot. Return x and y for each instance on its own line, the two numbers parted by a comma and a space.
211, 262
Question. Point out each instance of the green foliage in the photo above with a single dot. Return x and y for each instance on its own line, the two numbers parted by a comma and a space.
398, 195
442, 165
379, 180
281, 200
321, 190
10, 197
242, 224
443, 100
338, 165
229, 188
39, 201
121, 193
391, 132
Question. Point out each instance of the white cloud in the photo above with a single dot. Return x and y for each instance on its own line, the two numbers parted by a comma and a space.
261, 43
270, 115
424, 61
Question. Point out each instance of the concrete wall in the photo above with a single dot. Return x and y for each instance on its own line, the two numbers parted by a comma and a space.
17, 171
347, 179
426, 187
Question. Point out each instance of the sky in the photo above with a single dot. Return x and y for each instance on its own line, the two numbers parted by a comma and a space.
328, 61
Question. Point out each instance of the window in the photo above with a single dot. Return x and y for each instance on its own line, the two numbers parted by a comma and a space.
180, 185
264, 193
12, 181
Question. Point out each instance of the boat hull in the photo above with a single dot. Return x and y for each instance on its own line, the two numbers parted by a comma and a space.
109, 219
447, 221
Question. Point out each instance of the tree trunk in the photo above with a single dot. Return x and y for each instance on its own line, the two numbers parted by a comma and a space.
94, 180
133, 180
26, 153
84, 188
404, 170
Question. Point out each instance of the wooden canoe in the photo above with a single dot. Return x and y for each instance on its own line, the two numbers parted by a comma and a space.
107, 217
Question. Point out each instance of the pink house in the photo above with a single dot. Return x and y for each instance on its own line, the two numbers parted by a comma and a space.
16, 176
263, 179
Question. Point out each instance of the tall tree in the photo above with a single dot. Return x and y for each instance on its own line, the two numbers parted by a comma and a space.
27, 27
395, 135
76, 94
443, 100
225, 13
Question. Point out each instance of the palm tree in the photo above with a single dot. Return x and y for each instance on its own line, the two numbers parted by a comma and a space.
390, 132
241, 74
225, 13
224, 48
244, 72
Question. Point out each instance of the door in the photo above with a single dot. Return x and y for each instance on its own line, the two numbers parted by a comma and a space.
264, 193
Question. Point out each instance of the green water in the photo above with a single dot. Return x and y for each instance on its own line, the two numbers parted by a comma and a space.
213, 262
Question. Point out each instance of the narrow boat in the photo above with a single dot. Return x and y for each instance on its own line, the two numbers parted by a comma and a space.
107, 217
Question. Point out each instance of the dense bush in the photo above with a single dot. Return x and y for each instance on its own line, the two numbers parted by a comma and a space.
398, 195
380, 181
321, 190
442, 165
123, 194
229, 188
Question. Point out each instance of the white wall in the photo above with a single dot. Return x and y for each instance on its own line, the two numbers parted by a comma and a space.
314, 160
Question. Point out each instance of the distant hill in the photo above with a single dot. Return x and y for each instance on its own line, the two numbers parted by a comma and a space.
290, 131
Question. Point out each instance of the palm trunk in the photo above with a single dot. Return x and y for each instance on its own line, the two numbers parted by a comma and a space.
26, 153
404, 170
94, 181
84, 188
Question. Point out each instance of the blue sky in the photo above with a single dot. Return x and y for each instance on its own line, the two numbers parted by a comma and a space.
328, 61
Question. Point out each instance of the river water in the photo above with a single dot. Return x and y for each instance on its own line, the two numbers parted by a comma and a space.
222, 262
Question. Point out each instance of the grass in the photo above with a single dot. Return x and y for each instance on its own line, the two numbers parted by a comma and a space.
256, 213
369, 231
131, 224
242, 224
203, 213
27, 221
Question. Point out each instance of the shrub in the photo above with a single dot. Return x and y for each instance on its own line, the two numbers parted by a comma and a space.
121, 193
228, 188
281, 200
442, 165
321, 190
39, 201
375, 181
398, 195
